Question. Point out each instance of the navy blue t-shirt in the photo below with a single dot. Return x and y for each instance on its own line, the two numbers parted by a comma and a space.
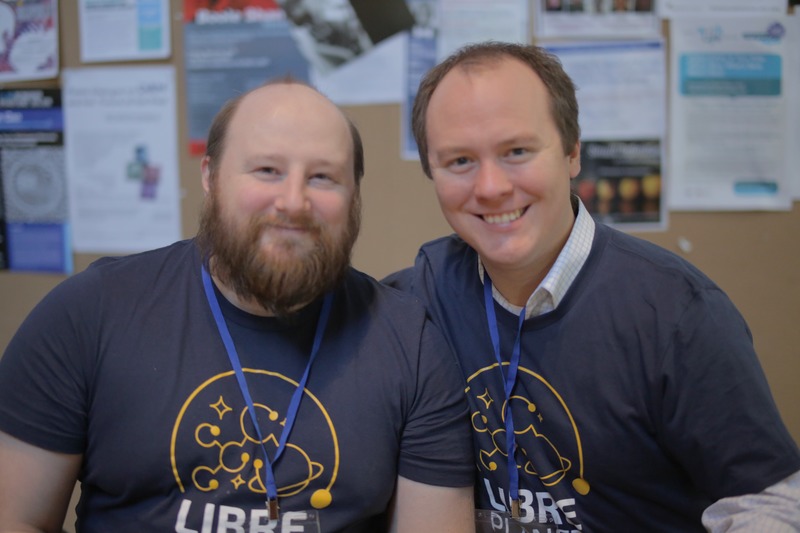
639, 400
123, 363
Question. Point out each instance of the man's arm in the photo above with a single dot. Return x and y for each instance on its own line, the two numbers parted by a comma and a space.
35, 486
776, 509
421, 508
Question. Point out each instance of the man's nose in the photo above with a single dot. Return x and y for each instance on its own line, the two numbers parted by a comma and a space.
492, 181
293, 197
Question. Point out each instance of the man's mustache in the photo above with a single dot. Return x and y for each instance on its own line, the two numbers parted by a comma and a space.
301, 222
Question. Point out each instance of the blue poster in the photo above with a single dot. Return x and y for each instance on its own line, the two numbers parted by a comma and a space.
34, 228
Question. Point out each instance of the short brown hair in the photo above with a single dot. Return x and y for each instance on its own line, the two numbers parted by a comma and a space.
563, 103
215, 145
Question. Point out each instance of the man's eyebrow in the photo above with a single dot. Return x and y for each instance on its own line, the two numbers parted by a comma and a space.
521, 139
516, 140
278, 157
325, 162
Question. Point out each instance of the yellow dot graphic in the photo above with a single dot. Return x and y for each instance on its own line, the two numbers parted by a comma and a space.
321, 499
581, 486
273, 416
215, 431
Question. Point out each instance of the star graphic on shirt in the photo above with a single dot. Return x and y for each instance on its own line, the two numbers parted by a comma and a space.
220, 407
486, 398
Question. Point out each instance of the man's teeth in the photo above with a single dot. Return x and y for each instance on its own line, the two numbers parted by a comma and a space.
505, 218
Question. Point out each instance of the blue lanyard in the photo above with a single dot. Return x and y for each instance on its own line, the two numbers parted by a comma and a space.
294, 404
510, 380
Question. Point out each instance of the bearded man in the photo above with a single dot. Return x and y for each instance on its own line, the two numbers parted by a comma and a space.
246, 380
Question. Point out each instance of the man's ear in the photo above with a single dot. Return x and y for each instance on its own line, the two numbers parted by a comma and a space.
574, 160
206, 173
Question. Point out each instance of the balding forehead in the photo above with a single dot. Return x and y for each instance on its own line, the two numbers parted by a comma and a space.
292, 96
283, 93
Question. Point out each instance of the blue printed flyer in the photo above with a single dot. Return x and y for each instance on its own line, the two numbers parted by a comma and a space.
34, 216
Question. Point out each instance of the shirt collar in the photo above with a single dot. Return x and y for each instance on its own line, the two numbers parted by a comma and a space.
558, 280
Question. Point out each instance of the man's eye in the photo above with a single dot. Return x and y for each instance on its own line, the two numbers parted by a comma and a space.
321, 179
459, 162
517, 151
268, 170
458, 165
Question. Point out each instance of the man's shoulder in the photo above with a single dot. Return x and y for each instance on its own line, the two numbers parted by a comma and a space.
446, 248
154, 258
367, 303
438, 255
651, 262
436, 259
138, 272
376, 292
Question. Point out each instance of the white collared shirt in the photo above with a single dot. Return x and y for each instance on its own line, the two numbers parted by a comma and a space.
558, 280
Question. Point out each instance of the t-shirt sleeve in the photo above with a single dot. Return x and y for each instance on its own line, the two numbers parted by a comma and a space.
718, 415
436, 447
43, 377
401, 280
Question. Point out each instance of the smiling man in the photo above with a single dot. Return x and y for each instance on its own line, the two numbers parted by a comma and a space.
237, 381
283, 207
612, 386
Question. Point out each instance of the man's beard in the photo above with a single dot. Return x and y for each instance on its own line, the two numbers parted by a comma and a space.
284, 281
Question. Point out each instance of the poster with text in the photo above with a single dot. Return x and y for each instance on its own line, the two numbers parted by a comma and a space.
29, 47
615, 19
3, 235
443, 26
621, 92
34, 211
620, 182
228, 52
121, 144
704, 8
729, 114
793, 80
352, 51
124, 30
